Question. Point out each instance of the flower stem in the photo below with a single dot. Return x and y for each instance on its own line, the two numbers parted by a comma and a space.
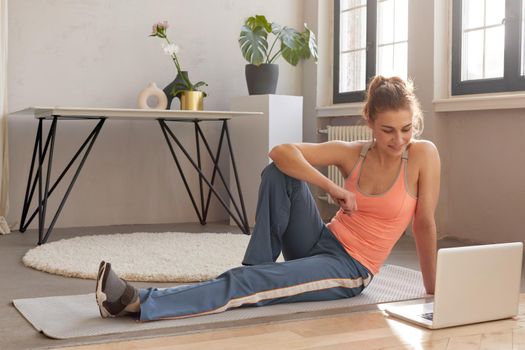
174, 57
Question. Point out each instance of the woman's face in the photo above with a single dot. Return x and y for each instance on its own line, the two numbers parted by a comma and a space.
392, 130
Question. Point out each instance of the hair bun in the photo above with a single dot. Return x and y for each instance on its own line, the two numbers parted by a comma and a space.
375, 83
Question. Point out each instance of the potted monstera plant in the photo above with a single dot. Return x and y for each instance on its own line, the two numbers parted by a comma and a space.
262, 72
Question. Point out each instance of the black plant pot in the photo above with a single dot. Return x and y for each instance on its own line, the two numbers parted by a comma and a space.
169, 88
262, 80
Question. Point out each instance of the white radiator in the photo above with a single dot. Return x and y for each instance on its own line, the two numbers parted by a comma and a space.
344, 133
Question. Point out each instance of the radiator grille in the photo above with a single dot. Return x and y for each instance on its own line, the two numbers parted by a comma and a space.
344, 133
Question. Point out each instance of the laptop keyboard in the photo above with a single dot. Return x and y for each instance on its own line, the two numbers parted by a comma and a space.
428, 316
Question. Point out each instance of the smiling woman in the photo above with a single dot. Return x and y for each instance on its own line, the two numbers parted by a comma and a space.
323, 261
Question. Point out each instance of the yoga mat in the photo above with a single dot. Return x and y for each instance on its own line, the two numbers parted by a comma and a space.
65, 317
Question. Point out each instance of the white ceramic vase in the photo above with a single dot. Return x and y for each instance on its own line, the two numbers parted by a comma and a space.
149, 91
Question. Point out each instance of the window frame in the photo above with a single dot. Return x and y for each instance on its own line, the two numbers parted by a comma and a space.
512, 79
371, 33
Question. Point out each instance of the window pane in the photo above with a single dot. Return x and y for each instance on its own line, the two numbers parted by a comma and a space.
400, 60
472, 60
494, 52
473, 12
401, 19
352, 74
353, 29
385, 22
495, 12
346, 4
385, 60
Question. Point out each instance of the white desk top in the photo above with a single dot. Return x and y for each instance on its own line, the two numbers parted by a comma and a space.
130, 114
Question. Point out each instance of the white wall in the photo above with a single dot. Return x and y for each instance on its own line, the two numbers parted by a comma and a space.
98, 54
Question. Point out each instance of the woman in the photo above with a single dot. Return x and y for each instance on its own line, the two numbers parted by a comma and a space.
389, 182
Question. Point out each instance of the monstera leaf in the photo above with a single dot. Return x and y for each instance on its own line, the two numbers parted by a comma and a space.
310, 47
297, 46
291, 45
259, 21
253, 43
275, 28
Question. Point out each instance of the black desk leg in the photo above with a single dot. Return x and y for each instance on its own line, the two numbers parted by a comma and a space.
241, 199
43, 194
199, 164
241, 219
216, 170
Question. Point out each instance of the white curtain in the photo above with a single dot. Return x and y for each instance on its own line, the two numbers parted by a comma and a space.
4, 160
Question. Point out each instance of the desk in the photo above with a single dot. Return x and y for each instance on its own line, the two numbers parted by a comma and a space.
43, 151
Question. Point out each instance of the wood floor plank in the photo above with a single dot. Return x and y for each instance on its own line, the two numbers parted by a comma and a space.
518, 338
389, 343
440, 344
466, 342
260, 341
496, 341
358, 321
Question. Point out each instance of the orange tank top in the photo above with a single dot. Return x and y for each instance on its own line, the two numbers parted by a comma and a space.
369, 233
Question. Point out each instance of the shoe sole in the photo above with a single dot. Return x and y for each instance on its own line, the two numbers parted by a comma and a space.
100, 295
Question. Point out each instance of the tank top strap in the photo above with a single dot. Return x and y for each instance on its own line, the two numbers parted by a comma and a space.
404, 169
357, 167
365, 149
405, 154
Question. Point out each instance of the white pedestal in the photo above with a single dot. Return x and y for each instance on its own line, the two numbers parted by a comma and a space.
253, 138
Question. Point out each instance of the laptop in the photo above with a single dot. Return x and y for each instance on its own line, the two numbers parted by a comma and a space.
473, 284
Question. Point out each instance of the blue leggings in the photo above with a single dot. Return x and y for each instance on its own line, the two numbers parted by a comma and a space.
316, 268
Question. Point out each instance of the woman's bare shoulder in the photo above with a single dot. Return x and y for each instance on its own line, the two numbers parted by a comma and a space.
421, 150
347, 147
338, 153
355, 146
353, 149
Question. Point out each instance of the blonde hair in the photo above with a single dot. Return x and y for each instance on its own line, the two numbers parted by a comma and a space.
392, 93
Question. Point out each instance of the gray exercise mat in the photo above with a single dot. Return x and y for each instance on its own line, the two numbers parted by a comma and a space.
65, 317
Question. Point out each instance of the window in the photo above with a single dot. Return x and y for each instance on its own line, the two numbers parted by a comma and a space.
487, 46
371, 37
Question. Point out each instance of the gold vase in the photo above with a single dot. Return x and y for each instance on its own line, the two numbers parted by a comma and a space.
191, 100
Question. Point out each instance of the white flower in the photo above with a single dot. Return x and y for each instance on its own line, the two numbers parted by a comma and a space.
170, 49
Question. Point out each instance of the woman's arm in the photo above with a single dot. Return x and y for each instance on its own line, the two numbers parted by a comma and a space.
424, 224
299, 161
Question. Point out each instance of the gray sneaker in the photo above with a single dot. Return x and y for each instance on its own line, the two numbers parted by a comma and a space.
113, 293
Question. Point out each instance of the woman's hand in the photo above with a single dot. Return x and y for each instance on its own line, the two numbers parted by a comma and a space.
344, 198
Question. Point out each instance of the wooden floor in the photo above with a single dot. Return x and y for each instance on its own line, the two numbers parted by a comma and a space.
358, 330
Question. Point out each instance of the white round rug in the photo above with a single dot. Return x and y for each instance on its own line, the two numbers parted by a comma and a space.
142, 256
